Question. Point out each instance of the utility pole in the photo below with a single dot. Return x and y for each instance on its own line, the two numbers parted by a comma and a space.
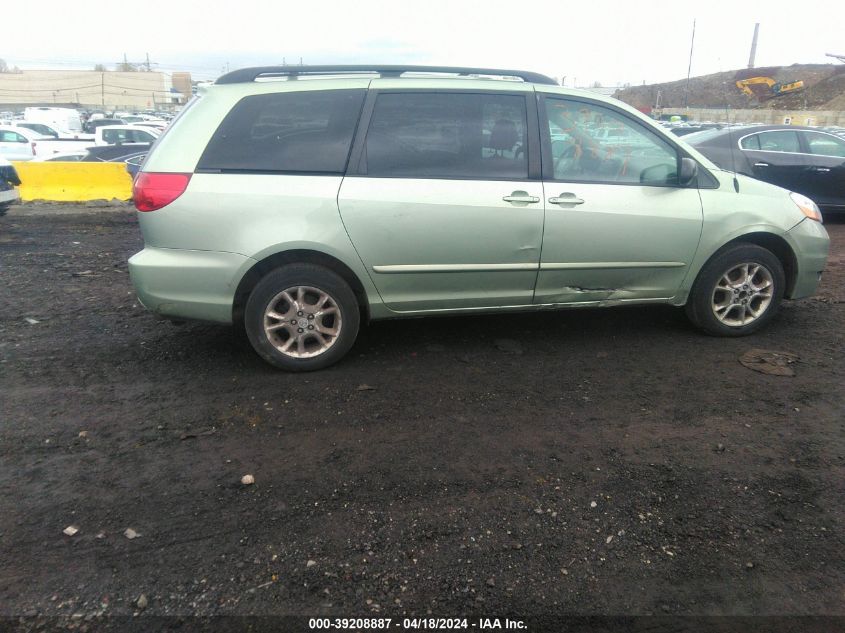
689, 68
754, 46
148, 62
103, 89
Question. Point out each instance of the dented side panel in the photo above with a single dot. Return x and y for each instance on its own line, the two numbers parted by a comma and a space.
623, 243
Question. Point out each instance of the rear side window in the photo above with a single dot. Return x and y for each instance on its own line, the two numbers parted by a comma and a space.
776, 141
308, 132
442, 135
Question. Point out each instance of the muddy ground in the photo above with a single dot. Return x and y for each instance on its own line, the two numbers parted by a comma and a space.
608, 462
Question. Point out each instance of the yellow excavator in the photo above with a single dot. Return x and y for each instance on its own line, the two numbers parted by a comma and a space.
773, 88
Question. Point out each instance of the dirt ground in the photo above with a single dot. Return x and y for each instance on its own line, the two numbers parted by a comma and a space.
609, 462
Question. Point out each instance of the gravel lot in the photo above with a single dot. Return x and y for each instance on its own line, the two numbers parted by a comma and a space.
608, 462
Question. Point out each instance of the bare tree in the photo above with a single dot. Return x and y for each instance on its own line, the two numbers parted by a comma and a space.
100, 68
4, 67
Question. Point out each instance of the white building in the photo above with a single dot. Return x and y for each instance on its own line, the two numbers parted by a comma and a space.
89, 88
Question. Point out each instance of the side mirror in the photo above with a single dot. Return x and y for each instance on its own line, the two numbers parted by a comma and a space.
687, 172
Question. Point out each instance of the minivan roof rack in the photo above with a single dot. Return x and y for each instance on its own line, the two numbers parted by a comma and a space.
245, 75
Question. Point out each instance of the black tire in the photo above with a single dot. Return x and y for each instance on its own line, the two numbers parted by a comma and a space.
300, 276
700, 304
4, 208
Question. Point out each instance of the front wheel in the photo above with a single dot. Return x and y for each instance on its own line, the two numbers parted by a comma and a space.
737, 292
302, 317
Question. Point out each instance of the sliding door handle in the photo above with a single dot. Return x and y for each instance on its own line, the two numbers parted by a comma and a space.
521, 196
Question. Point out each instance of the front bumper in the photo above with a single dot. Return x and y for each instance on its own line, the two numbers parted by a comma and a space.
188, 284
811, 244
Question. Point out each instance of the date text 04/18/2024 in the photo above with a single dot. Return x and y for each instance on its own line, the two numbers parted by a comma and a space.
430, 624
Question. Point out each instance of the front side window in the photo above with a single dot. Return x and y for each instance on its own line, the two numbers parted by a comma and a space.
825, 144
592, 143
447, 135
774, 141
309, 131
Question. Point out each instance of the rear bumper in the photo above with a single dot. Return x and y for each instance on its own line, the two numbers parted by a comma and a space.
188, 284
810, 244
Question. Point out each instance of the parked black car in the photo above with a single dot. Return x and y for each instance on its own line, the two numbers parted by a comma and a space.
801, 159
134, 164
115, 153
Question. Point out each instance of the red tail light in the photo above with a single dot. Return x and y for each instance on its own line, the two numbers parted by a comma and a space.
152, 191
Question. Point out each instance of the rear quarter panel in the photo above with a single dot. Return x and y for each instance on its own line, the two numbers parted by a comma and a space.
255, 215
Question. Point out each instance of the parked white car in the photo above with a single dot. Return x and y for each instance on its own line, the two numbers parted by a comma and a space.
17, 143
155, 126
45, 130
104, 135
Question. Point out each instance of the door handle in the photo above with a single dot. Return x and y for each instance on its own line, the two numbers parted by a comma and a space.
761, 164
820, 169
521, 196
566, 198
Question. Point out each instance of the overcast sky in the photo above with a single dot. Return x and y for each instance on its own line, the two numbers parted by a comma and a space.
611, 42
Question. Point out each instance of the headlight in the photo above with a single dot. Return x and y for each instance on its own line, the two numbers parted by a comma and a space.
807, 206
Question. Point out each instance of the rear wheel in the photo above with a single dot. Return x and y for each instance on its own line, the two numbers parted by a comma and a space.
4, 207
737, 292
302, 317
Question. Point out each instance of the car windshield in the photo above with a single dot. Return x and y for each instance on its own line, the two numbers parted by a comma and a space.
38, 127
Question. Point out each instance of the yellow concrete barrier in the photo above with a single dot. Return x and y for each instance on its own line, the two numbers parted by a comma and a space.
73, 182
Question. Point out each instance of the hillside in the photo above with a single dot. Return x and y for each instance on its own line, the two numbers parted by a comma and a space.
824, 89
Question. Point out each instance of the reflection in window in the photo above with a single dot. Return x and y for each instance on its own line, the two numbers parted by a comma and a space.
825, 144
595, 144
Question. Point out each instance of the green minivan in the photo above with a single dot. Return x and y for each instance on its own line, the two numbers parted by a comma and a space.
302, 201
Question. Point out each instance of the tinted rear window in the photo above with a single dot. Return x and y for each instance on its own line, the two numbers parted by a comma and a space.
309, 131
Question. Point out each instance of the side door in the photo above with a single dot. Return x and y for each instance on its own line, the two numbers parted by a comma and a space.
443, 198
618, 226
14, 146
775, 156
826, 168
